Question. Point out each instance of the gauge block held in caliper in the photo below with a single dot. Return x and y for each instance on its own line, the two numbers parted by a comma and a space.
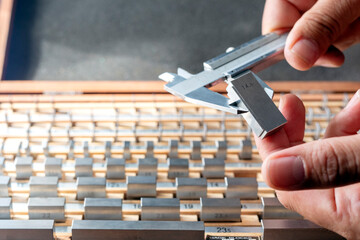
248, 94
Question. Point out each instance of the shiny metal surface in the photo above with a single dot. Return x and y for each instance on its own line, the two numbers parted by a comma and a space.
221, 149
141, 186
4, 186
5, 206
102, 209
53, 167
90, 187
273, 209
83, 167
252, 56
213, 167
149, 149
220, 209
178, 167
191, 188
245, 149
2, 161
43, 186
241, 188
195, 150
173, 148
262, 114
26, 229
47, 208
23, 166
115, 168
147, 166
160, 209
127, 152
126, 230
239, 51
295, 229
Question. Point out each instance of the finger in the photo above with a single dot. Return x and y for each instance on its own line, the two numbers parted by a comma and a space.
293, 110
324, 163
280, 15
332, 58
346, 122
350, 37
317, 29
299, 201
336, 211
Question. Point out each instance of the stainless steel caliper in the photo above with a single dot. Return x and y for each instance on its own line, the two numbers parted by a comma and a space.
247, 94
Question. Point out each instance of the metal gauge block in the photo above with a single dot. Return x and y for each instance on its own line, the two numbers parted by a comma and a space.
127, 153
103, 209
2, 162
242, 188
173, 148
141, 186
195, 150
221, 149
53, 167
43, 186
32, 229
115, 168
5, 206
83, 167
4, 186
126, 230
147, 166
90, 187
149, 149
178, 167
245, 149
47, 208
23, 167
160, 209
220, 210
213, 167
296, 229
273, 209
191, 188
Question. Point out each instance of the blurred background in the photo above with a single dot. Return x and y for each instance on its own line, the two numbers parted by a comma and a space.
138, 40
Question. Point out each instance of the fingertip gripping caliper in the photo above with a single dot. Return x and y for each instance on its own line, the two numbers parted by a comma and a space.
248, 94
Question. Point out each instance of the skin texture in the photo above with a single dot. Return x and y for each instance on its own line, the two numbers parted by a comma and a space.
330, 165
320, 29
319, 180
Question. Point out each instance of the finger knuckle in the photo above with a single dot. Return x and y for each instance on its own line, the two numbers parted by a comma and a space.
326, 164
323, 25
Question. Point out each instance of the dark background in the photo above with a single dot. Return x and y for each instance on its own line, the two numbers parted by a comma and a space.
138, 39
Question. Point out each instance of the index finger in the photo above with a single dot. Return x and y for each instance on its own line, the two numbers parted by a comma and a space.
281, 15
291, 134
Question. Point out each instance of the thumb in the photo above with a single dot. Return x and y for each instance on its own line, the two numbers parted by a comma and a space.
324, 163
317, 29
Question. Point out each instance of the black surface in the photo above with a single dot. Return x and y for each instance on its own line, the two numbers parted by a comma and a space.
138, 40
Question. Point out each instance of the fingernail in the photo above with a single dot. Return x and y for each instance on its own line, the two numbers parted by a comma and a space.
307, 50
286, 172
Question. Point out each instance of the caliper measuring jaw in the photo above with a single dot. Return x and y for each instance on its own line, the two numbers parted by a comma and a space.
247, 94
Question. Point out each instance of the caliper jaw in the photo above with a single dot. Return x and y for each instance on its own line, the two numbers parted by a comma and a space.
248, 94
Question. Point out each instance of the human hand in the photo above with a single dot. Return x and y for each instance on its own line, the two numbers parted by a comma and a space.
320, 29
325, 172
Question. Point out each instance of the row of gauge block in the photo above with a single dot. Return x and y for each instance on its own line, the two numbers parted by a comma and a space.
148, 209
160, 219
135, 187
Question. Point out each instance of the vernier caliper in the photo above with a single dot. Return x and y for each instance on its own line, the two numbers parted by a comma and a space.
248, 94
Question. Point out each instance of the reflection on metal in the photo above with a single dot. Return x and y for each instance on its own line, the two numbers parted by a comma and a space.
123, 230
248, 94
102, 209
